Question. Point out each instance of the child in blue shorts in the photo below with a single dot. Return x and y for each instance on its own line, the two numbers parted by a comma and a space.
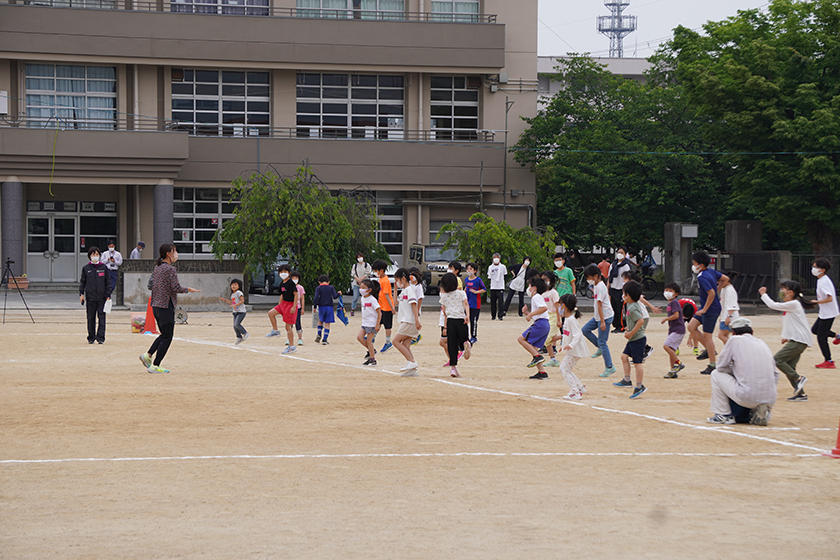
534, 337
323, 300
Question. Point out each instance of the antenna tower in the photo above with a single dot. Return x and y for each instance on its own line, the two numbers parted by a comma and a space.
616, 26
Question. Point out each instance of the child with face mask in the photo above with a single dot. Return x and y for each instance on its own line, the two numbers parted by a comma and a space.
496, 272
827, 300
602, 319
565, 277
796, 337
371, 317
676, 329
301, 294
534, 336
517, 286
616, 283
287, 308
95, 287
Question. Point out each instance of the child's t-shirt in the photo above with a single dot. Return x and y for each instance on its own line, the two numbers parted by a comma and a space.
453, 302
676, 325
708, 280
564, 281
551, 299
634, 313
301, 293
825, 287
238, 299
288, 289
369, 307
474, 300
384, 292
603, 295
729, 301
404, 311
573, 336
537, 301
324, 295
419, 294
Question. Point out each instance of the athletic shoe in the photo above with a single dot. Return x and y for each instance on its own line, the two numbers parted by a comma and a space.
473, 340
100, 342
623, 383
408, 366
704, 355
543, 349
387, 346
574, 396
828, 364
238, 341
445, 365
245, 337
289, 350
721, 419
760, 415
671, 375
300, 342
538, 359
552, 363
637, 392
678, 367
156, 369
272, 333
800, 385
409, 369
453, 372
677, 351
836, 339
317, 339
324, 342
368, 360
460, 354
372, 362
416, 340
539, 375
708, 371
798, 397
607, 372
696, 350
648, 351
91, 341
597, 353
146, 359
352, 313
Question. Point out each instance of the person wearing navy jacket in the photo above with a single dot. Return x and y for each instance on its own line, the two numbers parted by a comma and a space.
95, 287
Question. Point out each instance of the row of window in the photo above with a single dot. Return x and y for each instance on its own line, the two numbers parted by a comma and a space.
238, 102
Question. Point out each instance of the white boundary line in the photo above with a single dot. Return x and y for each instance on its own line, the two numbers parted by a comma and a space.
719, 430
397, 456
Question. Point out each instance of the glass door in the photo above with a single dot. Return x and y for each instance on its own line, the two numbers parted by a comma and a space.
65, 235
38, 255
51, 248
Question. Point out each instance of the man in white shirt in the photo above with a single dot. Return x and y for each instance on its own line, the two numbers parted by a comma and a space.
112, 259
137, 251
746, 376
496, 272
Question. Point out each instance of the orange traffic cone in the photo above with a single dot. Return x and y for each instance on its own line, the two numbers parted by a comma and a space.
150, 319
835, 453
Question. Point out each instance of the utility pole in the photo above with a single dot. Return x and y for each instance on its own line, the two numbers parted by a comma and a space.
508, 105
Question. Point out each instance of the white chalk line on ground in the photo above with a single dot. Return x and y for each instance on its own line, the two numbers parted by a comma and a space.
401, 455
715, 429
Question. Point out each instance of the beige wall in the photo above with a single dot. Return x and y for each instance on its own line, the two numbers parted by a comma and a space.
283, 96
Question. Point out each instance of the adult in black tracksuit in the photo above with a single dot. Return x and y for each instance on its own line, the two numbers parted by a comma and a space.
95, 287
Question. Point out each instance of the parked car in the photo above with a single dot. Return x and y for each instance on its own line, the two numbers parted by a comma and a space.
267, 282
433, 263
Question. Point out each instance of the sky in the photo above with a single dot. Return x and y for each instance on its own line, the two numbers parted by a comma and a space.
569, 25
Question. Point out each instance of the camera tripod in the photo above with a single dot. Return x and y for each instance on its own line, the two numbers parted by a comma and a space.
9, 276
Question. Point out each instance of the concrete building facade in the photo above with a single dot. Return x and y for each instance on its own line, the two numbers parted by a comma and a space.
129, 119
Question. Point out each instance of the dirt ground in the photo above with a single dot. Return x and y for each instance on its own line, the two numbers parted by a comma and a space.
243, 453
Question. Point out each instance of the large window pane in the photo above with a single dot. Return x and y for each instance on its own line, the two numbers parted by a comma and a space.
454, 106
85, 94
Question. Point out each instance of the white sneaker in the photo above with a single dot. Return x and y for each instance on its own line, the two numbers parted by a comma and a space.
408, 366
574, 396
273, 333
244, 337
409, 369
289, 349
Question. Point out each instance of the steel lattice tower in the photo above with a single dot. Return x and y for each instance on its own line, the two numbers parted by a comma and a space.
616, 26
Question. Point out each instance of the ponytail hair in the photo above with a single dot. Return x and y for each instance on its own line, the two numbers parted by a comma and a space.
372, 286
569, 301
162, 251
796, 288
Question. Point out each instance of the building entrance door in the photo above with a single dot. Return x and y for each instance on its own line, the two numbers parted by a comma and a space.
51, 254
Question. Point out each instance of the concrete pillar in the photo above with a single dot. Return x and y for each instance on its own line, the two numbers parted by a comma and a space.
13, 216
164, 209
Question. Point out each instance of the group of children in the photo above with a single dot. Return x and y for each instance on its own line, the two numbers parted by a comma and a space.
553, 315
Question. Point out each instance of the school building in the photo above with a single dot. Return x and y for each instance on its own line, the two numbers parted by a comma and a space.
130, 118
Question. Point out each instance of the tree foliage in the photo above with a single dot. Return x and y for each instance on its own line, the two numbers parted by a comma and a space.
319, 232
485, 236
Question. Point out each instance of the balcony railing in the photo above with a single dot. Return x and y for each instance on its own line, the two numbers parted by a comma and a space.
142, 123
255, 8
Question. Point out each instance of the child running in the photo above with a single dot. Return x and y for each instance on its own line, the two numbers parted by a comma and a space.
676, 329
827, 300
386, 301
409, 322
574, 345
602, 318
707, 316
636, 340
454, 306
371, 317
474, 287
534, 336
301, 294
237, 305
728, 304
323, 299
555, 319
287, 308
415, 280
796, 336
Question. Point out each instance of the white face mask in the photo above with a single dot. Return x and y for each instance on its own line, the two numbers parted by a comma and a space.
284, 275
816, 271
364, 292
527, 263
591, 282
450, 271
531, 291
695, 269
495, 261
360, 259
558, 264
94, 259
295, 280
619, 256
668, 295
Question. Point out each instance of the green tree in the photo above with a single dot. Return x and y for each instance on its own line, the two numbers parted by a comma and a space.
318, 231
485, 236
767, 82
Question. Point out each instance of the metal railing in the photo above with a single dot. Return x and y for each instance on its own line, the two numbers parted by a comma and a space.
127, 122
256, 8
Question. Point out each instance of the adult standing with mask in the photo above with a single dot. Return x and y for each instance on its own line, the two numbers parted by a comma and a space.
165, 290
616, 284
113, 260
496, 272
137, 252
521, 274
358, 272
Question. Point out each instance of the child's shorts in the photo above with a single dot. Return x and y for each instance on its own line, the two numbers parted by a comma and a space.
554, 329
536, 334
709, 321
408, 329
387, 319
723, 326
326, 314
674, 339
288, 311
636, 350
369, 330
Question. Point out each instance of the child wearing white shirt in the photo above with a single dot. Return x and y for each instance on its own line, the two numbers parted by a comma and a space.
371, 317
534, 336
728, 305
602, 319
574, 345
454, 306
827, 300
795, 334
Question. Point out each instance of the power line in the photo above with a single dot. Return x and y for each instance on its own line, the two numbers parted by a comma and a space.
557, 35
